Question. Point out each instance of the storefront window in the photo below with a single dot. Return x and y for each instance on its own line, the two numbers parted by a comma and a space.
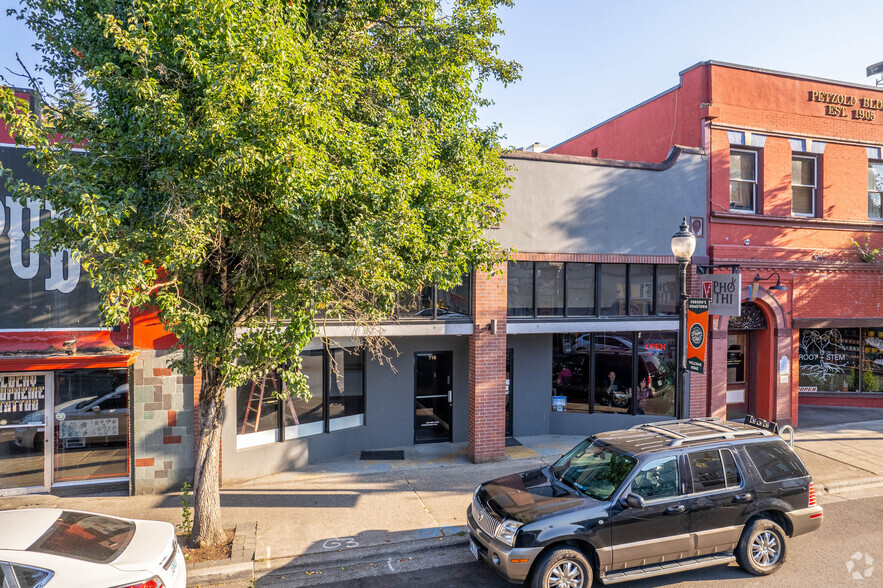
520, 288
22, 430
570, 373
346, 394
580, 289
656, 373
667, 289
613, 372
415, 304
830, 359
612, 291
609, 388
550, 288
91, 424
305, 416
336, 381
640, 289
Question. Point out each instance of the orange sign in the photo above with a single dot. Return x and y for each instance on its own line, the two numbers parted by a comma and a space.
697, 333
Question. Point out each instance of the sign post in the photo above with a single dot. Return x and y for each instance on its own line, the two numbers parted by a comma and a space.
697, 333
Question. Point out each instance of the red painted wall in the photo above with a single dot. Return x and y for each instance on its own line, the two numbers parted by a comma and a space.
648, 132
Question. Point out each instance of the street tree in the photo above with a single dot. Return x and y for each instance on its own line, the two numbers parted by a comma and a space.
240, 167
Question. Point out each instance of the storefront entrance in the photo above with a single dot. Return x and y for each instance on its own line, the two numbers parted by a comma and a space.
740, 374
86, 439
433, 397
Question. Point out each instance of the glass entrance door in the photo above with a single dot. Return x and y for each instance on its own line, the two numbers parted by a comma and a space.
509, 392
433, 397
24, 436
739, 374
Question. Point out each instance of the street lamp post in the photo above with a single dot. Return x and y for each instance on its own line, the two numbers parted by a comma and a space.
683, 244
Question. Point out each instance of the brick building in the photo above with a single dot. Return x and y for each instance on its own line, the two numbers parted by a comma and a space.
794, 171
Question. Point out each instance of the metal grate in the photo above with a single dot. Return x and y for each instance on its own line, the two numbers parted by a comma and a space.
487, 521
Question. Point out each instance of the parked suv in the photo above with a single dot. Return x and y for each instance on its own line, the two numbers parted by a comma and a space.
646, 501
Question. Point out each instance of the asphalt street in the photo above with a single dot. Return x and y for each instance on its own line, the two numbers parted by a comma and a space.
850, 542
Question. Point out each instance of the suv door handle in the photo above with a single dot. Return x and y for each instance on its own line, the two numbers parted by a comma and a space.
675, 509
742, 497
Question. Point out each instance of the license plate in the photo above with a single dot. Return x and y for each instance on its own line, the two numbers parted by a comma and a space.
474, 549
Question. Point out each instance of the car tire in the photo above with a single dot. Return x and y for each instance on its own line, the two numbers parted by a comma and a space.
562, 567
761, 549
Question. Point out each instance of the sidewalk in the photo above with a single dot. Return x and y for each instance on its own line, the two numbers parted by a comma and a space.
309, 525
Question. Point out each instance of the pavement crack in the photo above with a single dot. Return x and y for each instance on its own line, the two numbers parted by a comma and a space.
423, 504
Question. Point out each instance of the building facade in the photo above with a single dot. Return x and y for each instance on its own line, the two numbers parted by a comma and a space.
577, 334
794, 177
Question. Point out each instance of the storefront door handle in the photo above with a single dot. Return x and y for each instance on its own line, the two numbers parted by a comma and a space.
450, 397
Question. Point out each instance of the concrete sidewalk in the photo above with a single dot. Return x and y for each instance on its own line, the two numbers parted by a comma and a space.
301, 528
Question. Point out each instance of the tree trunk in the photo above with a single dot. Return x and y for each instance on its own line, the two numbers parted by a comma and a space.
207, 528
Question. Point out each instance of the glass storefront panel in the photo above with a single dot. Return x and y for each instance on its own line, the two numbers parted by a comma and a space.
609, 387
454, 303
640, 289
666, 289
872, 360
613, 372
571, 372
415, 304
346, 394
550, 288
257, 411
306, 416
91, 424
657, 371
22, 430
519, 297
580, 289
830, 359
612, 291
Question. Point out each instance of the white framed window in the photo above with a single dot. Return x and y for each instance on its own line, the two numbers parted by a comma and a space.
804, 183
875, 190
743, 180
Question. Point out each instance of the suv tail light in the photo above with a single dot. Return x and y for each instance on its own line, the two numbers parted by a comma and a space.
812, 494
154, 582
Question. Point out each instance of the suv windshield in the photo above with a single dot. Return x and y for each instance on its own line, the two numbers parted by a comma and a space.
594, 468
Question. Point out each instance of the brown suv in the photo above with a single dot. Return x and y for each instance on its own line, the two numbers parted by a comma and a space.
650, 500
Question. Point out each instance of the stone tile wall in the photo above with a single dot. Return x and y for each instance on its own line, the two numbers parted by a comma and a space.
163, 425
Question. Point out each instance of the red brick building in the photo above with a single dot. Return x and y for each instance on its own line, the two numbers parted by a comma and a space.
794, 172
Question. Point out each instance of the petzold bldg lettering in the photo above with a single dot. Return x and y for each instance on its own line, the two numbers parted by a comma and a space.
839, 105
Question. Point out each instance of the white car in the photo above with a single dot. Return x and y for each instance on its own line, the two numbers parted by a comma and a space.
56, 548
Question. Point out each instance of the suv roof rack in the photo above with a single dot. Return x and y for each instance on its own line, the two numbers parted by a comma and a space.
717, 429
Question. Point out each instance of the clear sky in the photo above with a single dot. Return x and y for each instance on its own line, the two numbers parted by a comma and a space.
587, 60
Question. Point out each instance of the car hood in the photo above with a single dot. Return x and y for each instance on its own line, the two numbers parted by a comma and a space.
530, 496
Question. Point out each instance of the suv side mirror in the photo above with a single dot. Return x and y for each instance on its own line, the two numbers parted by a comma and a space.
96, 409
633, 500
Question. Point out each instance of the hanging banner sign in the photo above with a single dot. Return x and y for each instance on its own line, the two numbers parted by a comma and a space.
697, 331
724, 292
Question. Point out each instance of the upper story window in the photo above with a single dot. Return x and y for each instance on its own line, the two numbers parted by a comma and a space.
743, 180
431, 302
875, 189
803, 185
574, 289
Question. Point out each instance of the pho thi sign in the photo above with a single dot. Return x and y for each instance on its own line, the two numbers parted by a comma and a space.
724, 292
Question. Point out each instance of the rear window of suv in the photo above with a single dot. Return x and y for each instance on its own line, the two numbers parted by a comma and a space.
85, 536
775, 461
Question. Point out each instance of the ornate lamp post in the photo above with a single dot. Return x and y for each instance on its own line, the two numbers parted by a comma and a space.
683, 244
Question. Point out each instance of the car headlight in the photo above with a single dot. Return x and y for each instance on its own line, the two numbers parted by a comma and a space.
506, 532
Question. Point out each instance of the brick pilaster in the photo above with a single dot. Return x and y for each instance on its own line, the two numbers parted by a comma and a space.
487, 369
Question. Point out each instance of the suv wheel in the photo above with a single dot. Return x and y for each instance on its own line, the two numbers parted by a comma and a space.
562, 567
761, 550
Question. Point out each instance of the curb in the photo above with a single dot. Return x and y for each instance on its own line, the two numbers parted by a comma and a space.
238, 567
359, 562
355, 555
856, 484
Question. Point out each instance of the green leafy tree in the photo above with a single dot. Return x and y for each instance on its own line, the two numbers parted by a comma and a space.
250, 164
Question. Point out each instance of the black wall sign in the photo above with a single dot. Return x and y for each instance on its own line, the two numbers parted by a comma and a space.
39, 291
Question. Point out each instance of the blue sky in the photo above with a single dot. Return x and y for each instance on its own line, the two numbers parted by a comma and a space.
587, 60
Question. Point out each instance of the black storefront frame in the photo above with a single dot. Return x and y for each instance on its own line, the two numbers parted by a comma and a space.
596, 292
633, 407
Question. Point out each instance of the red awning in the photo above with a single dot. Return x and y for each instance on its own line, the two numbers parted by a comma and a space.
43, 363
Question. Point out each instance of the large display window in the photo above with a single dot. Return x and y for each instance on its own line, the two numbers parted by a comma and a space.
841, 360
614, 372
266, 413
